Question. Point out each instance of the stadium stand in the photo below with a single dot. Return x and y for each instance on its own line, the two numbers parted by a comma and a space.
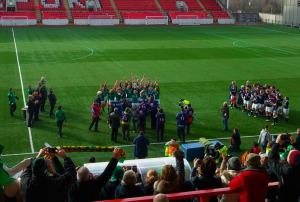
25, 5
170, 5
133, 5
55, 5
17, 18
95, 18
135, 18
54, 18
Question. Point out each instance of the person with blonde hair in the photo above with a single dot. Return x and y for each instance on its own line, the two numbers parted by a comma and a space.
150, 179
128, 187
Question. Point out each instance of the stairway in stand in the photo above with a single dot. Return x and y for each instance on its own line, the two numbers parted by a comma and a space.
113, 4
160, 7
68, 11
38, 11
201, 5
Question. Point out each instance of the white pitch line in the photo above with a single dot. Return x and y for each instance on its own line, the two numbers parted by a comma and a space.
156, 143
22, 86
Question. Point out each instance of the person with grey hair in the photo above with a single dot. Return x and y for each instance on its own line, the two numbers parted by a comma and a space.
229, 169
128, 187
160, 198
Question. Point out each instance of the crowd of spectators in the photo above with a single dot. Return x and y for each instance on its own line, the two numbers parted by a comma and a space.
44, 178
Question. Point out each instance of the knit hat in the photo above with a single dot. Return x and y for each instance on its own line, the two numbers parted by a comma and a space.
39, 167
294, 158
117, 174
234, 163
253, 160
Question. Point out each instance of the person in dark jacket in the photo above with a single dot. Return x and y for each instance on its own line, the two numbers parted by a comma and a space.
153, 105
108, 191
37, 104
297, 140
180, 122
43, 95
88, 188
30, 110
225, 115
52, 101
37, 185
128, 187
288, 172
150, 179
141, 115
114, 123
235, 141
207, 178
160, 125
141, 146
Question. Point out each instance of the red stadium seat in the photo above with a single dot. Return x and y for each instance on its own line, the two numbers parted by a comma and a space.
140, 15
134, 5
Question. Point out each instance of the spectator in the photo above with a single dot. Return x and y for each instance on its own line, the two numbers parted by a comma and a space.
92, 159
207, 178
60, 117
181, 120
128, 187
255, 148
37, 185
160, 198
229, 169
225, 115
141, 146
160, 125
288, 172
96, 111
297, 142
247, 183
235, 141
87, 188
151, 178
264, 138
108, 191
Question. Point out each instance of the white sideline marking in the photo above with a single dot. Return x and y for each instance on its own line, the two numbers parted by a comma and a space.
22, 86
156, 143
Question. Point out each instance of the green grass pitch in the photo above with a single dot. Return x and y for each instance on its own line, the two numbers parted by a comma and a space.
196, 63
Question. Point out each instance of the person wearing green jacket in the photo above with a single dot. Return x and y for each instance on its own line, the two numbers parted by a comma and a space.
60, 118
12, 101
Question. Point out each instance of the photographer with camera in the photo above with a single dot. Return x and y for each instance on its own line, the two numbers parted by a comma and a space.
287, 170
88, 188
41, 182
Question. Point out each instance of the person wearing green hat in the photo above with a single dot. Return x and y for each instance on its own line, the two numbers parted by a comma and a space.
108, 191
12, 101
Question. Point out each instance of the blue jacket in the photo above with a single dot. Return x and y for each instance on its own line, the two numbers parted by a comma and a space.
141, 146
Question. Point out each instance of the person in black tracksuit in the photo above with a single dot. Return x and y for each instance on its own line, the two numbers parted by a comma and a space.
114, 122
37, 104
160, 124
52, 101
30, 110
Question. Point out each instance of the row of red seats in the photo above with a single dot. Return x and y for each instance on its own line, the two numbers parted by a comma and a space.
211, 5
54, 15
59, 7
29, 15
140, 15
220, 14
188, 15
85, 15
136, 5
81, 5
29, 5
170, 5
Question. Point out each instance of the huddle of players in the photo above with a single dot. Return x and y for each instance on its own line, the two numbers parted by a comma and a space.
37, 98
260, 100
130, 101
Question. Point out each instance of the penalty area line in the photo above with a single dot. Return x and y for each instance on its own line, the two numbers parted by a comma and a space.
22, 87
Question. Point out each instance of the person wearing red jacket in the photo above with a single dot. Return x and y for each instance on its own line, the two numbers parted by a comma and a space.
251, 183
96, 110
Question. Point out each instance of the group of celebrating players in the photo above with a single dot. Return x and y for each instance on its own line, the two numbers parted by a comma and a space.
260, 100
126, 101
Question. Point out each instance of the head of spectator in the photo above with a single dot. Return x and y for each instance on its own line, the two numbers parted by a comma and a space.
92, 159
168, 173
234, 163
163, 186
253, 161
294, 158
83, 174
263, 159
160, 198
129, 178
151, 177
208, 166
